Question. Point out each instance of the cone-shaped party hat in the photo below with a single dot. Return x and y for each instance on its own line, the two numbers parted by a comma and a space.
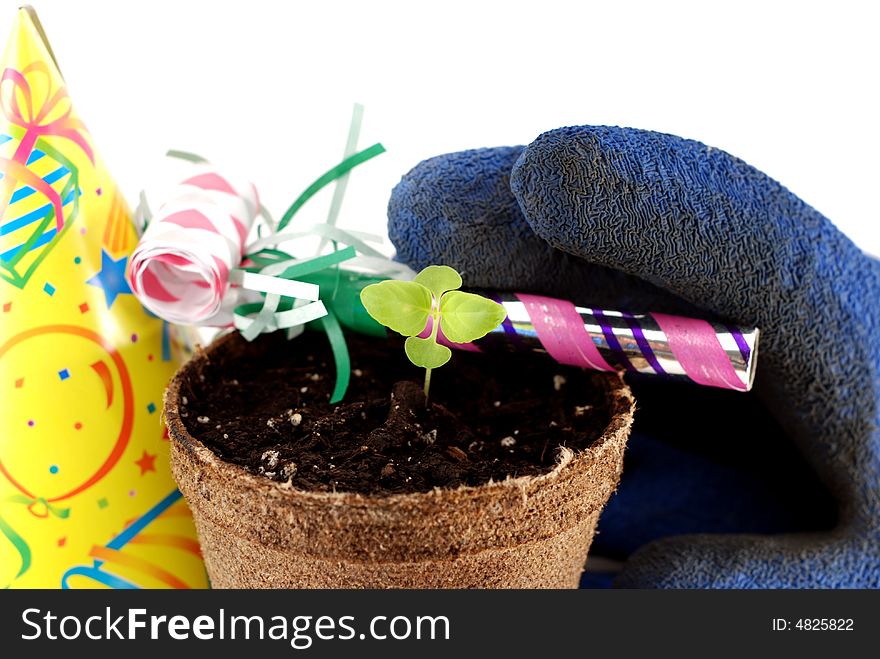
86, 494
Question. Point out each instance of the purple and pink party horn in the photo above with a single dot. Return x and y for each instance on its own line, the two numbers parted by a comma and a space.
705, 352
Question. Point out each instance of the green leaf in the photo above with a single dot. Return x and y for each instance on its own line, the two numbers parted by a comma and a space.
426, 352
465, 317
403, 306
438, 279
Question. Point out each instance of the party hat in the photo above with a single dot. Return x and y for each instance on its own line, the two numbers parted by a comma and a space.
86, 494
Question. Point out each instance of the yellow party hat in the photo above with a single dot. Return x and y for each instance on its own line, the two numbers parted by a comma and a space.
86, 494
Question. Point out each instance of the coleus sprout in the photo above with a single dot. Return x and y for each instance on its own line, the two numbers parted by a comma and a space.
407, 307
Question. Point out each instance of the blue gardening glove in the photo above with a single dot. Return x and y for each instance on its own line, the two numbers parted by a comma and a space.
774, 488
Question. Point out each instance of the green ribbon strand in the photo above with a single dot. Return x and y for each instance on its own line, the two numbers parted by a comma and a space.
24, 551
343, 299
340, 356
266, 257
19, 543
143, 212
339, 291
354, 131
328, 177
55, 511
185, 155
318, 263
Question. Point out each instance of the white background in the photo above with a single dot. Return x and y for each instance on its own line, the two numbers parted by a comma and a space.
267, 87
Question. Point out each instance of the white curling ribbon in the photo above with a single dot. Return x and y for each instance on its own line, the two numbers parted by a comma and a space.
263, 321
298, 317
269, 320
268, 284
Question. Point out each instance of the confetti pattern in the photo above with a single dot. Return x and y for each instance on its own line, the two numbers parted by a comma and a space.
78, 377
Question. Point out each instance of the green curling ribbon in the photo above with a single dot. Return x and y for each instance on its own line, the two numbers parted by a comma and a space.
328, 177
303, 268
340, 292
354, 131
342, 298
185, 155
297, 270
19, 543
144, 212
250, 308
55, 511
340, 356
266, 257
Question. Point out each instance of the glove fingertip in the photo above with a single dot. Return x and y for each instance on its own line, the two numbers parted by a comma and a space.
446, 208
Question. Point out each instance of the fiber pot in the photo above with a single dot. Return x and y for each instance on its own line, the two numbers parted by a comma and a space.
525, 532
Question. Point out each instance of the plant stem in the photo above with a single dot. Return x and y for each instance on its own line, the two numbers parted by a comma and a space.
435, 327
427, 383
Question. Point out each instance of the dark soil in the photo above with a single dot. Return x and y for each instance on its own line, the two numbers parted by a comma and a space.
265, 406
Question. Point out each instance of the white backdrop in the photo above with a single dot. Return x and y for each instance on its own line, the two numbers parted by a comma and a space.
792, 88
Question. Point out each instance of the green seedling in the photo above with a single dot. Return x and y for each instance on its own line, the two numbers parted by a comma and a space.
407, 306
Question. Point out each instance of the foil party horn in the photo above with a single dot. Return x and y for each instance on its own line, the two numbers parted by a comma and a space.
706, 352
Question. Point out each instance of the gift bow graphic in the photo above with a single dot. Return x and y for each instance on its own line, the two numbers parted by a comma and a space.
50, 116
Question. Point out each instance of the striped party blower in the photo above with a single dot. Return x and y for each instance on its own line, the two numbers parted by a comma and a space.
705, 352
197, 264
181, 268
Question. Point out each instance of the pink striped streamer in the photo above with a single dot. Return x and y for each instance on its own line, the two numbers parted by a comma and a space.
560, 329
696, 347
180, 269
